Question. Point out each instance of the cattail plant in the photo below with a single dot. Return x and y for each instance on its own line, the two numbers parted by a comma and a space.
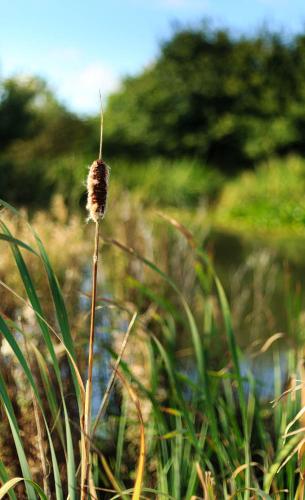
97, 187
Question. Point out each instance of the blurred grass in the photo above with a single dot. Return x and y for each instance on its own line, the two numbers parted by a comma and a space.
267, 201
183, 183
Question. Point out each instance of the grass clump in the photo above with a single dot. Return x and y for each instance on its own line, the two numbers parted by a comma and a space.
203, 426
179, 434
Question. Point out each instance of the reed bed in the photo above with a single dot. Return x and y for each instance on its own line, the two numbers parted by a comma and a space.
176, 420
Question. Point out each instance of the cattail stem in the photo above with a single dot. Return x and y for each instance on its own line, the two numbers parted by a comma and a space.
88, 402
92, 322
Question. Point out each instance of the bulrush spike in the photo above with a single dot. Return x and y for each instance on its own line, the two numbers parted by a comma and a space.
97, 181
97, 187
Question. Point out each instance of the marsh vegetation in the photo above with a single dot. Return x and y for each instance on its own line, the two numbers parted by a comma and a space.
201, 262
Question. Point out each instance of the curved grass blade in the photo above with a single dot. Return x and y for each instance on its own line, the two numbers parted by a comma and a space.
11, 483
19, 243
61, 314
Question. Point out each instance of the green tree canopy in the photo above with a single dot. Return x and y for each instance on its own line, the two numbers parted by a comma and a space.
227, 101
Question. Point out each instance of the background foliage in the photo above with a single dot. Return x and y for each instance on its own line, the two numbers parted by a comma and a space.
225, 100
221, 101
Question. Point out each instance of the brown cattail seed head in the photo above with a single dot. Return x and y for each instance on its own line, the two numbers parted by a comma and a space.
97, 187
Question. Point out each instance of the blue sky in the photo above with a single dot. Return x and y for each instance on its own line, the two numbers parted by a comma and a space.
81, 46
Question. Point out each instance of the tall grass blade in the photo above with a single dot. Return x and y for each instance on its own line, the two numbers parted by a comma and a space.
61, 314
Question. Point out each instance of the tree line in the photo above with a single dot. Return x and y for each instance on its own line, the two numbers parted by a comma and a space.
226, 101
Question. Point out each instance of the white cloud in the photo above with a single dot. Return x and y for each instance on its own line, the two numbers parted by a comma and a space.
80, 87
75, 79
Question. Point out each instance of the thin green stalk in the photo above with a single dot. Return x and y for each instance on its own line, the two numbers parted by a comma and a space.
88, 401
